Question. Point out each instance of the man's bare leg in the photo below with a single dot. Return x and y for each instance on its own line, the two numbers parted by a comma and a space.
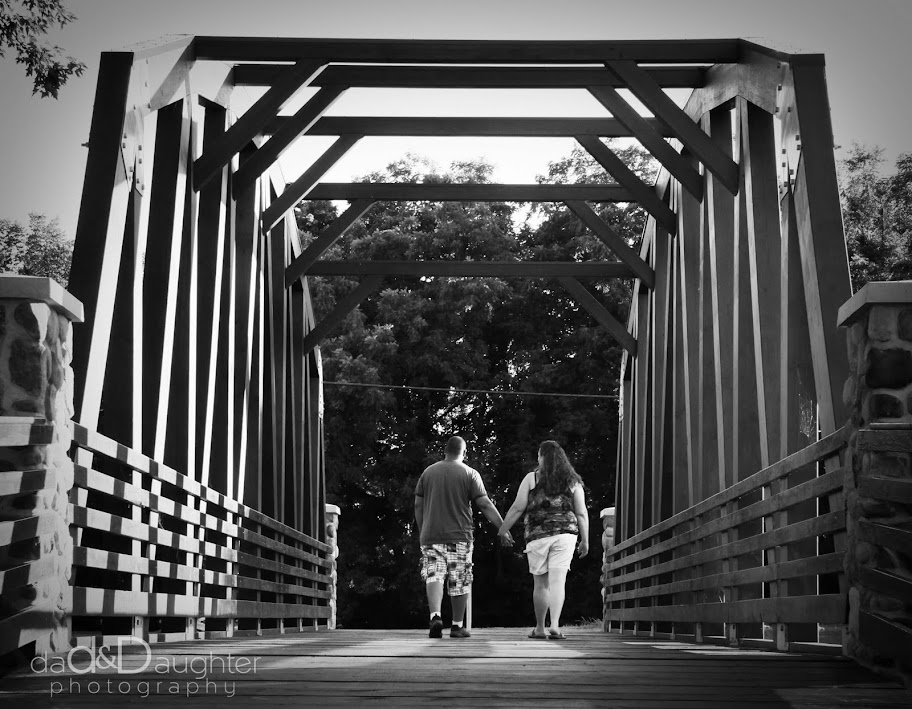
434, 596
458, 604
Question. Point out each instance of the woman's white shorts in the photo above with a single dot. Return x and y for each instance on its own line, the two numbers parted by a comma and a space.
550, 553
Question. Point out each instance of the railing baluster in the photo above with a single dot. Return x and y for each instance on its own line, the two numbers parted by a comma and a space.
730, 564
697, 547
779, 555
148, 585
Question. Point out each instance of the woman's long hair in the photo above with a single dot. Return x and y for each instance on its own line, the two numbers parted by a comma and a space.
555, 474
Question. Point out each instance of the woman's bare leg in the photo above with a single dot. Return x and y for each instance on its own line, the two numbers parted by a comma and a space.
556, 581
540, 599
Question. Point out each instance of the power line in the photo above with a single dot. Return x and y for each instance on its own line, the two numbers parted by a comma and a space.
493, 392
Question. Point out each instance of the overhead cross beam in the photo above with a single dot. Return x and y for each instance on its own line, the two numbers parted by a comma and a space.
458, 77
462, 192
464, 269
437, 51
453, 126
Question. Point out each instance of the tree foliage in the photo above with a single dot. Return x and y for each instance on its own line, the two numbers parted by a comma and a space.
22, 24
467, 333
41, 249
877, 213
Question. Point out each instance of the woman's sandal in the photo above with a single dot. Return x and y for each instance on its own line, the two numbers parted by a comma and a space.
556, 636
536, 636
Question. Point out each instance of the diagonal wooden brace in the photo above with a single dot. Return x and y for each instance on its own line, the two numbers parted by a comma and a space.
258, 163
298, 189
339, 313
651, 139
334, 231
253, 121
645, 88
645, 195
598, 311
613, 241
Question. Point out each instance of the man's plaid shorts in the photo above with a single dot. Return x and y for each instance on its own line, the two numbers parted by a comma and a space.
452, 561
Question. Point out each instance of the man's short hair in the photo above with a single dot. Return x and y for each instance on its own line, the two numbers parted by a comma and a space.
455, 446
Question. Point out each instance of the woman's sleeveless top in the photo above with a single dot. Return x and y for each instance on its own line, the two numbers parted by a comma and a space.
549, 515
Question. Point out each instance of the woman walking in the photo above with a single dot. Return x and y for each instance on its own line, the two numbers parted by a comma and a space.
551, 498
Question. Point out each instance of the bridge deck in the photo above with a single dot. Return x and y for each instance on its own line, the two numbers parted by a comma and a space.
494, 668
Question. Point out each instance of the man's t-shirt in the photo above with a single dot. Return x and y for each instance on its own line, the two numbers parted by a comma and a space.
448, 489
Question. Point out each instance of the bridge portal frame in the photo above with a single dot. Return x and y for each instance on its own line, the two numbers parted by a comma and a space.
201, 345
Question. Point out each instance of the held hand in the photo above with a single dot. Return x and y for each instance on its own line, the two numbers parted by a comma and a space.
506, 539
583, 549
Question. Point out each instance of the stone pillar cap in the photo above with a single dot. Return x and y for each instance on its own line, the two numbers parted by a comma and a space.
333, 509
607, 512
874, 293
39, 289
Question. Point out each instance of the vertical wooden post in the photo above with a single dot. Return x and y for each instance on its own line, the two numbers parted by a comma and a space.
168, 208
641, 426
247, 232
214, 253
659, 326
807, 138
707, 443
624, 482
764, 264
682, 466
689, 240
720, 207
100, 230
755, 222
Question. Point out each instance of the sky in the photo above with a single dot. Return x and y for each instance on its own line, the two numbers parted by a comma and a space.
865, 43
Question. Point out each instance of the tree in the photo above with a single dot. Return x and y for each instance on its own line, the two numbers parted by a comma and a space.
486, 334
40, 250
877, 214
22, 24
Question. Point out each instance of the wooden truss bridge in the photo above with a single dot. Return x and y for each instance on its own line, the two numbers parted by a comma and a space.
163, 469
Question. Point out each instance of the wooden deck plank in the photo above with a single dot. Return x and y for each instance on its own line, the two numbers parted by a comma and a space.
495, 667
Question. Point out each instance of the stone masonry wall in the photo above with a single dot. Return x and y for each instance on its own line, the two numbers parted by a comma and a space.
332, 537
607, 516
36, 401
878, 394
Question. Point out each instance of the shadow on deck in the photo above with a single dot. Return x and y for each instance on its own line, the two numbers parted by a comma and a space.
495, 667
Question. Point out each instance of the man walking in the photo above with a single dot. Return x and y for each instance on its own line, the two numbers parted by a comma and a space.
443, 509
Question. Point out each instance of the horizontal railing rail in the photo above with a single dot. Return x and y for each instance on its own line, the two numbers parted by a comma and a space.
760, 562
165, 557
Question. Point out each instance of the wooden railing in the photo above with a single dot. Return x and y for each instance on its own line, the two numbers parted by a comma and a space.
748, 565
161, 556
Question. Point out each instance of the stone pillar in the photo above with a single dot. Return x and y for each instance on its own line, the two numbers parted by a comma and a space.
878, 394
36, 474
607, 517
332, 529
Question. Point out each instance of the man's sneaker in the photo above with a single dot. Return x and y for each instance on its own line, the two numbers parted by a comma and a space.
457, 631
436, 627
